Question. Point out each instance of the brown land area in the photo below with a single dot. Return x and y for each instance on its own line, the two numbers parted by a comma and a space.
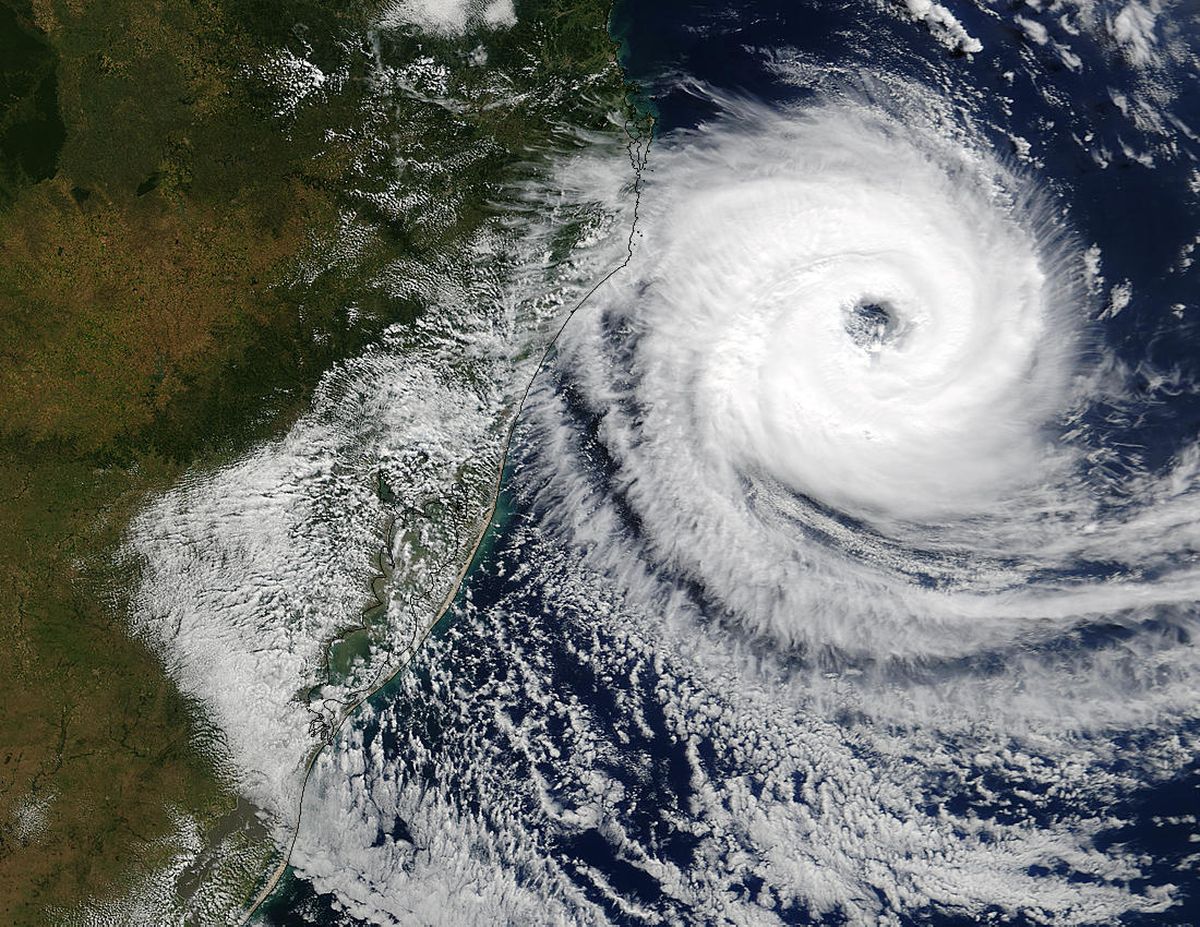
154, 209
144, 308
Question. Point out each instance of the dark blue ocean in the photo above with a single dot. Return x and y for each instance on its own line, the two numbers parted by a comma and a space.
1139, 211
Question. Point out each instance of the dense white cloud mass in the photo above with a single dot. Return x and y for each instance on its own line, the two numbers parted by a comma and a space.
450, 17
830, 577
943, 25
849, 383
836, 568
250, 572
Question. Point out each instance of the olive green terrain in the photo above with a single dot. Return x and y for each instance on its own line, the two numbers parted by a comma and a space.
155, 212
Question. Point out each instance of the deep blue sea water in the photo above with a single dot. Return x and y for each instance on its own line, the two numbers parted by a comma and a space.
1139, 215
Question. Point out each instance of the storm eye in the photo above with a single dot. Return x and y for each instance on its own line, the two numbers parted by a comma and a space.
871, 324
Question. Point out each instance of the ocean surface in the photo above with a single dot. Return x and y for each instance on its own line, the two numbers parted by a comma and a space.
606, 730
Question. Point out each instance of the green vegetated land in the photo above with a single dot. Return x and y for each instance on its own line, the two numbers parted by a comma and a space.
155, 207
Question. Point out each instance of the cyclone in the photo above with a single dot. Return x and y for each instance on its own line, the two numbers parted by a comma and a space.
846, 567
865, 325
857, 404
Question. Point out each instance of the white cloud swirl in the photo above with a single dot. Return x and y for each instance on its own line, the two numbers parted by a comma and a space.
834, 594
848, 389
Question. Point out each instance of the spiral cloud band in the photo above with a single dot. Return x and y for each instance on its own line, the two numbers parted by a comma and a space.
857, 324
837, 586
854, 403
